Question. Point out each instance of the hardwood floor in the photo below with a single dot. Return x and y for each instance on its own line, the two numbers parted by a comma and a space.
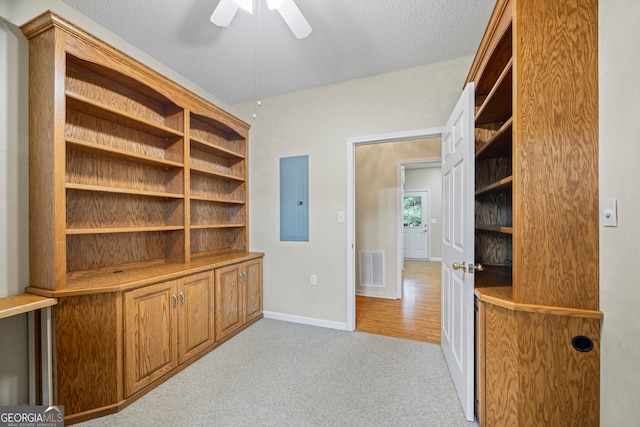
416, 316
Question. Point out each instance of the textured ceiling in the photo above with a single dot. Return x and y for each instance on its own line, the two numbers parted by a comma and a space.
350, 39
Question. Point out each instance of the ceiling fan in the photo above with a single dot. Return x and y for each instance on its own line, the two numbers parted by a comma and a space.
226, 10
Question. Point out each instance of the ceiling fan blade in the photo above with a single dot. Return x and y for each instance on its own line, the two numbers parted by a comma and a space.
224, 13
246, 5
294, 19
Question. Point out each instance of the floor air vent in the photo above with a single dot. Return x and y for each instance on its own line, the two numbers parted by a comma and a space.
372, 268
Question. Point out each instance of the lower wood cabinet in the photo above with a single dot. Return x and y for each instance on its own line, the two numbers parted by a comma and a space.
196, 315
111, 347
238, 296
165, 325
537, 367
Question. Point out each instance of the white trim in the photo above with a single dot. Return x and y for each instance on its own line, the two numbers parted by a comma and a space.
351, 237
306, 320
438, 259
367, 293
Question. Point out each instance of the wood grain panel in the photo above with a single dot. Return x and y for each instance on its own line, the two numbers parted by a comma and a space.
492, 248
207, 240
94, 169
87, 252
217, 213
494, 209
497, 106
208, 161
207, 186
556, 140
501, 368
88, 355
120, 92
479, 362
499, 55
196, 319
228, 301
489, 171
252, 304
494, 140
46, 123
109, 210
86, 127
150, 333
204, 129
558, 385
23, 303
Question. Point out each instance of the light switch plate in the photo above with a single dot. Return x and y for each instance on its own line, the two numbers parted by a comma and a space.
340, 216
610, 212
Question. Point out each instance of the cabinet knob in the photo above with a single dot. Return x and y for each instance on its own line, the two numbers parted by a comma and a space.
175, 300
181, 298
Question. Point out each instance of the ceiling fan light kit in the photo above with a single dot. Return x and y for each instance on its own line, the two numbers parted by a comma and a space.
226, 10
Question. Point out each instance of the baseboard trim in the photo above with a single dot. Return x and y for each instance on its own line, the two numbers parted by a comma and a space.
342, 326
375, 295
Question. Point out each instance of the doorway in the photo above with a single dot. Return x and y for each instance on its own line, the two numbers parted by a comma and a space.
352, 248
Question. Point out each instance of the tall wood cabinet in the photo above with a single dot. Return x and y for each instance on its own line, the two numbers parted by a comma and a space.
138, 194
536, 215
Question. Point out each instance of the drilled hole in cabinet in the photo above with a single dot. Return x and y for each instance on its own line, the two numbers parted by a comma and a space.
582, 344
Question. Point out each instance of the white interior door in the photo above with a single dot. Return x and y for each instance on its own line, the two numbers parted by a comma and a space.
416, 225
457, 247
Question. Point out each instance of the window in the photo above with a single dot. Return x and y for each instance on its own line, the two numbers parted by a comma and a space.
412, 211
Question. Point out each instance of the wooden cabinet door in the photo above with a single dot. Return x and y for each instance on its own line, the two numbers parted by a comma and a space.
195, 314
252, 281
228, 300
150, 334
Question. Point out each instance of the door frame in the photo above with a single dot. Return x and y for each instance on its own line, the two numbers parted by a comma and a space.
351, 205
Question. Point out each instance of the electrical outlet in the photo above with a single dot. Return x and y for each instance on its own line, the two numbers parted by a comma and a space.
314, 279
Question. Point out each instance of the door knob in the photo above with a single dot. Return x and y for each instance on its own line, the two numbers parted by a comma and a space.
458, 266
479, 267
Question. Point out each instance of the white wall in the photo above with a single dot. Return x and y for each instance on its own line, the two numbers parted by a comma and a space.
318, 122
14, 210
619, 59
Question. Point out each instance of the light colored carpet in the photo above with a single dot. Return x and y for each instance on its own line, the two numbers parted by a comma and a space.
284, 374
